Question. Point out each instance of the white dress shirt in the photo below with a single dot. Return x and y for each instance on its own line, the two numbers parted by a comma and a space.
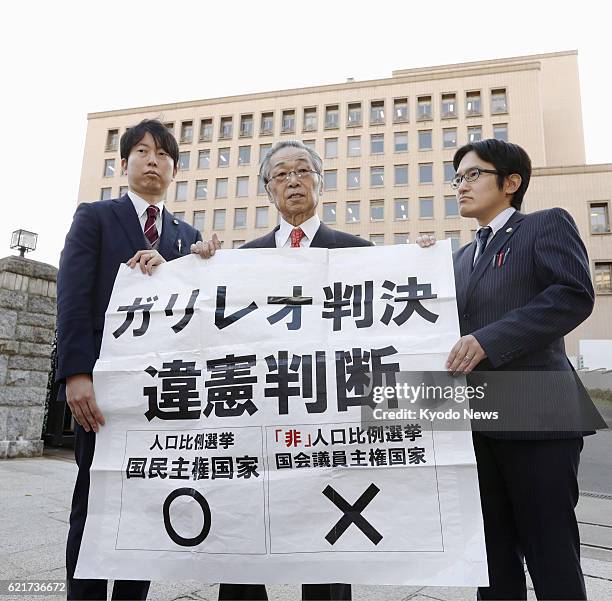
141, 206
497, 223
310, 227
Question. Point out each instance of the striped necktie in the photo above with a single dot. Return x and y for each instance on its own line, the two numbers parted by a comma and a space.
150, 230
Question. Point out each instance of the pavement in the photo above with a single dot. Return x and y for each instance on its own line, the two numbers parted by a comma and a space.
35, 497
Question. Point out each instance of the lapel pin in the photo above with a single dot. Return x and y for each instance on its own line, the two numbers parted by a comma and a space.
508, 230
175, 221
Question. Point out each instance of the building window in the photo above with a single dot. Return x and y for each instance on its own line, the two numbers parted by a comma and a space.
240, 218
183, 162
288, 122
449, 137
451, 208
603, 277
181, 191
500, 131
219, 219
474, 134
400, 110
123, 190
332, 116
221, 187
498, 101
455, 238
424, 111
267, 124
400, 209
112, 137
198, 220
246, 126
261, 217
206, 130
331, 148
204, 159
109, 167
401, 238
426, 207
353, 208
353, 177
179, 215
330, 179
425, 139
377, 210
237, 243
472, 104
377, 144
377, 176
242, 186
449, 172
329, 212
377, 112
244, 155
449, 106
261, 187
425, 173
312, 144
353, 148
105, 193
169, 127
187, 132
599, 217
225, 128
310, 119
400, 141
377, 239
354, 114
400, 175
201, 189
263, 151
224, 157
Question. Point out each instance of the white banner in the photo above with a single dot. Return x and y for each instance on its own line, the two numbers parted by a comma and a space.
234, 448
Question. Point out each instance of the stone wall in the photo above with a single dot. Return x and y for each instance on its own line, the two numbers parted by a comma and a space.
27, 325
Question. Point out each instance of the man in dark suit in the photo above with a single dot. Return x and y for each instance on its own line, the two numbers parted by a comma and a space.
136, 229
521, 286
292, 174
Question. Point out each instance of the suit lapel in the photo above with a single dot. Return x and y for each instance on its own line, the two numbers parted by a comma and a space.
324, 238
499, 240
169, 235
462, 275
129, 222
269, 240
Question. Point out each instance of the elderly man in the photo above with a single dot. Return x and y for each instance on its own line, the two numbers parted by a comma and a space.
292, 174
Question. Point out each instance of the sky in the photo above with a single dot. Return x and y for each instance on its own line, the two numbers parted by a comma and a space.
64, 59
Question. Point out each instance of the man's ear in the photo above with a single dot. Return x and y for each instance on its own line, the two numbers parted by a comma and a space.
174, 171
512, 183
123, 166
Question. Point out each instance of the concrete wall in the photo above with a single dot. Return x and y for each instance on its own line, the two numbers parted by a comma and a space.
27, 325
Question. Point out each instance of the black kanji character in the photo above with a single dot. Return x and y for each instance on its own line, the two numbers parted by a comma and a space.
179, 469
222, 467
339, 301
230, 388
415, 294
176, 328
180, 398
246, 467
136, 467
158, 467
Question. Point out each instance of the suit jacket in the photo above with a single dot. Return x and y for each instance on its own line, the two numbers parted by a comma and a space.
103, 235
519, 313
324, 238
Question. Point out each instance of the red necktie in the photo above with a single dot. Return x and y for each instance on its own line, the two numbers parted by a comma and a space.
150, 231
296, 236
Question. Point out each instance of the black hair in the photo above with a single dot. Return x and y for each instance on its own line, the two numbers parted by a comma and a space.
161, 134
507, 159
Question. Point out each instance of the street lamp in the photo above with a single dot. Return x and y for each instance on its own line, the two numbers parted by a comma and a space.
23, 240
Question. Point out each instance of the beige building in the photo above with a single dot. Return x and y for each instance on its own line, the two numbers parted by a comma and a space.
387, 146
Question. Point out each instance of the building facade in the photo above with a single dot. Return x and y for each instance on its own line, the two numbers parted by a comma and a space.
387, 147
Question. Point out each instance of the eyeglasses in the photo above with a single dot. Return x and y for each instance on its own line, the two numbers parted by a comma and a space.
284, 176
471, 175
